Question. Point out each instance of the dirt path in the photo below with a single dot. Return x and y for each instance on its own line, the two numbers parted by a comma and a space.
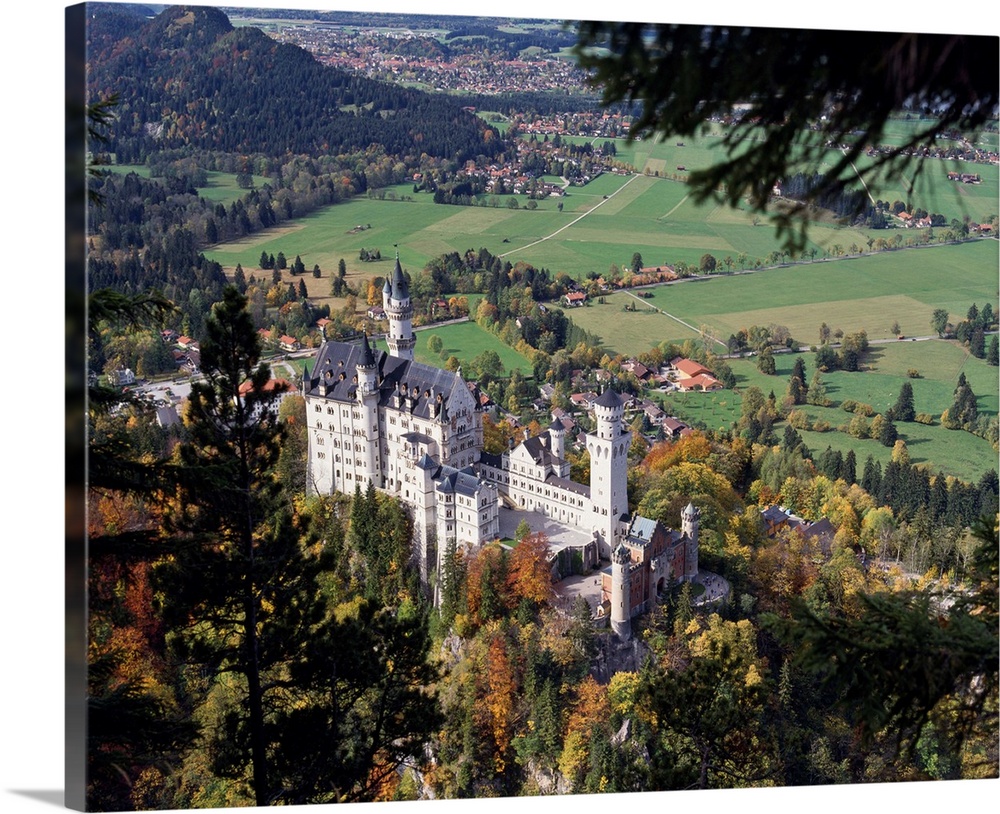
675, 319
574, 221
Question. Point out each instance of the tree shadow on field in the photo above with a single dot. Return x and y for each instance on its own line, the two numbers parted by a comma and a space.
872, 357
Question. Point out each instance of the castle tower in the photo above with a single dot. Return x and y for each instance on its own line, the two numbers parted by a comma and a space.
608, 448
621, 610
557, 436
397, 306
690, 520
367, 396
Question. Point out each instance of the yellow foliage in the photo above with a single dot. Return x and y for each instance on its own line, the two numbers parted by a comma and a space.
622, 692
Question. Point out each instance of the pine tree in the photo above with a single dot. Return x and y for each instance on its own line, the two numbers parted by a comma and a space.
903, 409
848, 472
993, 353
871, 479
977, 343
238, 589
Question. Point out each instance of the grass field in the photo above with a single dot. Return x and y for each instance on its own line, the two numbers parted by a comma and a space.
651, 216
925, 186
939, 363
869, 293
953, 452
465, 341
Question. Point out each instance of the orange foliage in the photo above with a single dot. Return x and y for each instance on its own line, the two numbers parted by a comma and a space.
485, 566
529, 574
498, 702
694, 448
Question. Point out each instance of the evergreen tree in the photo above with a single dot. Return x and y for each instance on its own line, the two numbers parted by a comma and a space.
302, 290
887, 433
264, 262
239, 591
239, 279
281, 262
848, 472
977, 343
993, 353
903, 409
799, 371
871, 478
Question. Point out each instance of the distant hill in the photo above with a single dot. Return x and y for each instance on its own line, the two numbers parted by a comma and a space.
188, 78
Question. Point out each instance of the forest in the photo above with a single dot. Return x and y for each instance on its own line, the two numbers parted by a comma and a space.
193, 80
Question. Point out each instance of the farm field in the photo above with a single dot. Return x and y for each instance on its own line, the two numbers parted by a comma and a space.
627, 214
465, 341
931, 189
868, 292
652, 216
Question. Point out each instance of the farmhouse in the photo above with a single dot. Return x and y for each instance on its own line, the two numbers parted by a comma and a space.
574, 299
692, 376
416, 432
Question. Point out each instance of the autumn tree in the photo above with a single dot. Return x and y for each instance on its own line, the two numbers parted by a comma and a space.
529, 573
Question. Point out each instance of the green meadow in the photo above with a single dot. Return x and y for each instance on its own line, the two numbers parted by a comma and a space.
466, 341
939, 362
869, 292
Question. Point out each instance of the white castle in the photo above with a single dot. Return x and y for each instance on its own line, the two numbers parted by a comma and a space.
416, 432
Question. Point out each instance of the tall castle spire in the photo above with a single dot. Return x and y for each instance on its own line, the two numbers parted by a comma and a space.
399, 310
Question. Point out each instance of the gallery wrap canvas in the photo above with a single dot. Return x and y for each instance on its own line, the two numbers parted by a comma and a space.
468, 406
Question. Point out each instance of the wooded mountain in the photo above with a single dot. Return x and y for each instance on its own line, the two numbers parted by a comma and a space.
189, 78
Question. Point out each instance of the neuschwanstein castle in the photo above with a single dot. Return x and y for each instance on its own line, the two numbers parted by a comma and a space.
416, 432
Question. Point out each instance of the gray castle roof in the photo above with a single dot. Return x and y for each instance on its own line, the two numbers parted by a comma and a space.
400, 288
540, 452
336, 367
609, 398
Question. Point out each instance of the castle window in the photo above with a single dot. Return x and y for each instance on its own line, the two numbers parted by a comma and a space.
318, 408
329, 410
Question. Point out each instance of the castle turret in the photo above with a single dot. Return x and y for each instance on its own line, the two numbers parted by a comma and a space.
690, 520
608, 448
621, 610
399, 310
367, 396
557, 434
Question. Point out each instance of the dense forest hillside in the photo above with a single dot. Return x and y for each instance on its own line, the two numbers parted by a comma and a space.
188, 78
